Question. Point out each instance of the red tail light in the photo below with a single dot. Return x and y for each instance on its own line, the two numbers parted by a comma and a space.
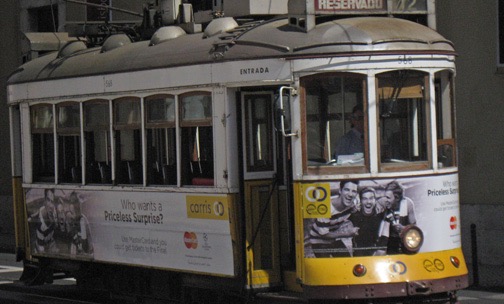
359, 270
455, 261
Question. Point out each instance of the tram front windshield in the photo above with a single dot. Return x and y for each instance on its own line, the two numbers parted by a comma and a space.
337, 123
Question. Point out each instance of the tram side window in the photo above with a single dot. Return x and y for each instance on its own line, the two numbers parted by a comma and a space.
42, 132
97, 141
196, 139
69, 143
161, 140
335, 120
128, 143
445, 120
403, 119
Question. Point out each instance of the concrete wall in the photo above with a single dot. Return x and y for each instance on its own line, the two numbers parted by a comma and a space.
10, 59
483, 243
472, 26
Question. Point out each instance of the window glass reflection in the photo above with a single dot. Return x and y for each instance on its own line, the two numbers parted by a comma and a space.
128, 141
161, 140
69, 143
335, 120
97, 141
403, 116
197, 139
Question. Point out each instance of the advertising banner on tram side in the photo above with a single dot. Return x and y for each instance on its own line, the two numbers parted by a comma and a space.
366, 217
171, 231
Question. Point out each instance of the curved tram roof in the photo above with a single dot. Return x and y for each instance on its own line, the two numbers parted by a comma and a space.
271, 39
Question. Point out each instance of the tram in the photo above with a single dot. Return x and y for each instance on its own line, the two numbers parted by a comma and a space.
251, 160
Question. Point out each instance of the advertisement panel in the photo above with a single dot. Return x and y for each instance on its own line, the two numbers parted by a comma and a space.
366, 217
173, 231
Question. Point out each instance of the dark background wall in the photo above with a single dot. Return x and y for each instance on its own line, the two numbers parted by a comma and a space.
473, 27
10, 59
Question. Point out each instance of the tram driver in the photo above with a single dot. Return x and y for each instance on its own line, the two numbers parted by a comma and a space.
353, 141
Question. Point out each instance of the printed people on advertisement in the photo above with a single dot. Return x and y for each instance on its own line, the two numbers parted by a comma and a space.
45, 224
369, 241
399, 213
57, 224
61, 234
353, 141
79, 230
332, 237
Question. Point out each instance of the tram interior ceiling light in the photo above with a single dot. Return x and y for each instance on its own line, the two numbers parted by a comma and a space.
411, 239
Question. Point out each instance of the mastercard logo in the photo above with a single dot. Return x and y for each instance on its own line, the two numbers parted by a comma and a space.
190, 240
453, 222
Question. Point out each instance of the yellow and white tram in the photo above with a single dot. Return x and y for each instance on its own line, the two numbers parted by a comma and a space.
216, 162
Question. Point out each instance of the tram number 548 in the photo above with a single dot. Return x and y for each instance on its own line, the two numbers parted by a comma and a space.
405, 59
108, 83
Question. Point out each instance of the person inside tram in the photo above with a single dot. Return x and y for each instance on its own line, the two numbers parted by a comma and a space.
353, 141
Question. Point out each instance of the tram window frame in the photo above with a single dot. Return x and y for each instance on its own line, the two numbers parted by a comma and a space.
329, 164
69, 142
161, 139
96, 117
190, 144
388, 163
42, 143
445, 119
128, 140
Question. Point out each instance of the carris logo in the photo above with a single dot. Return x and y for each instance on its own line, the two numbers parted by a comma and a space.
397, 267
315, 194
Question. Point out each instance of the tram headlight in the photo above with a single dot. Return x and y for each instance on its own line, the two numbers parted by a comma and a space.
412, 239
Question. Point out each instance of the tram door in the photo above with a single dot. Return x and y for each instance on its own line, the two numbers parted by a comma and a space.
265, 190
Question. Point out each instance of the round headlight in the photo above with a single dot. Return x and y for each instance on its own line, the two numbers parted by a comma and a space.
412, 239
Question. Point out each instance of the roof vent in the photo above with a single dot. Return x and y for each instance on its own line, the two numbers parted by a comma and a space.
218, 26
71, 47
115, 41
166, 33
